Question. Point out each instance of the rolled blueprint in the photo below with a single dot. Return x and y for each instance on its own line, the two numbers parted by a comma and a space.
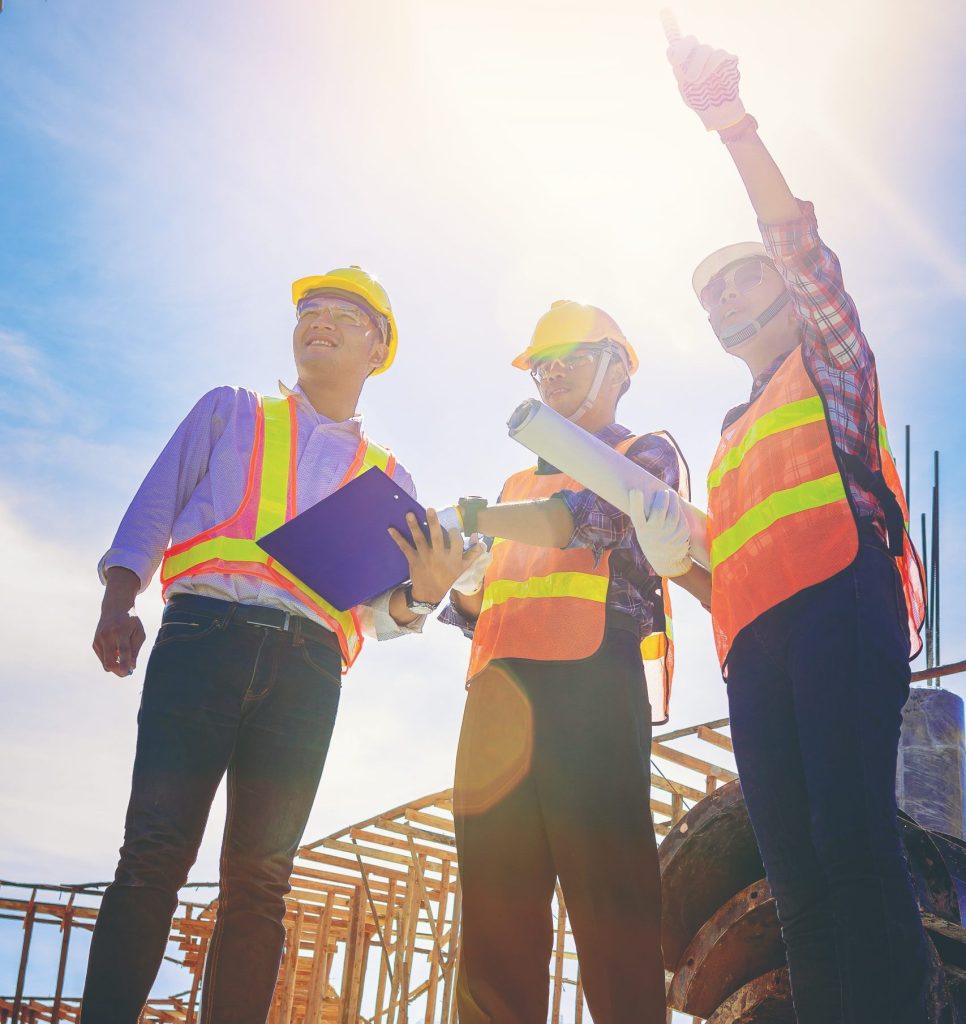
596, 465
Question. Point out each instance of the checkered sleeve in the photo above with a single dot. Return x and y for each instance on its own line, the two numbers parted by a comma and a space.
833, 344
598, 524
814, 278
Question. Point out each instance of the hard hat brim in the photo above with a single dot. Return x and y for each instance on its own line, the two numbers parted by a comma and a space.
523, 360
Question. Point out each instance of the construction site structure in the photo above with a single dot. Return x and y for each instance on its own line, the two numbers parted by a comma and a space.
373, 919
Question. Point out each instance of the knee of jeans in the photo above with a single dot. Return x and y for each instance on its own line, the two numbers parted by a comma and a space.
156, 861
259, 881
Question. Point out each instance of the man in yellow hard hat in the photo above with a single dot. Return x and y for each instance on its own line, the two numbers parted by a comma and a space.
245, 675
571, 659
817, 594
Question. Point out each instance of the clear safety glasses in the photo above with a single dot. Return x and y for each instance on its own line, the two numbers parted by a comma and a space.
540, 369
744, 277
341, 312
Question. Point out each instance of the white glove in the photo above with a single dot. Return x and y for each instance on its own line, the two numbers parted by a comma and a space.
662, 532
708, 81
472, 577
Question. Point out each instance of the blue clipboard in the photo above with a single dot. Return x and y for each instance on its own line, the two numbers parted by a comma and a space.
340, 547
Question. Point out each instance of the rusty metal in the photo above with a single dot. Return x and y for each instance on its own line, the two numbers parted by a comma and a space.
707, 857
728, 970
739, 943
766, 1000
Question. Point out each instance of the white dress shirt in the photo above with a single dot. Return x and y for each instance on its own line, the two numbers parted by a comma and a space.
199, 481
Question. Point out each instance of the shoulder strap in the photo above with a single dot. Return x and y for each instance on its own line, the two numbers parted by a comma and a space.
629, 444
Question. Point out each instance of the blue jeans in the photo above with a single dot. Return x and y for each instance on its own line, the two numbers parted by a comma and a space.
219, 696
816, 687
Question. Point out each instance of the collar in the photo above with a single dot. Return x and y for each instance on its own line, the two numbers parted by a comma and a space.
611, 435
757, 386
355, 422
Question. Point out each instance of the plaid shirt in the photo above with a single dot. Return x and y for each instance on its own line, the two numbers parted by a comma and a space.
834, 348
634, 586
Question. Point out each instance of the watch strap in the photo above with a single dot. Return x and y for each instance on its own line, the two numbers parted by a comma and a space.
470, 507
419, 607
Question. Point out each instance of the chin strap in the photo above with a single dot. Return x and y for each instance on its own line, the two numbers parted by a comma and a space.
742, 331
602, 364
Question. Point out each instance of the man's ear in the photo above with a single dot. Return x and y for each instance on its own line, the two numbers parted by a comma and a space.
378, 355
617, 374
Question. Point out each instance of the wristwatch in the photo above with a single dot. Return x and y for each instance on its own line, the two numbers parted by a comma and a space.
418, 607
470, 507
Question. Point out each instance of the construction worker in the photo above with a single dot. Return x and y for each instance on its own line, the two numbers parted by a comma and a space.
245, 674
571, 657
817, 596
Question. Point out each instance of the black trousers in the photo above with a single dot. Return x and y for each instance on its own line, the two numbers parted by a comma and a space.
816, 687
553, 781
219, 697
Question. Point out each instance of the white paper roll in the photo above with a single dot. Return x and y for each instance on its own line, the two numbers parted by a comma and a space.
596, 465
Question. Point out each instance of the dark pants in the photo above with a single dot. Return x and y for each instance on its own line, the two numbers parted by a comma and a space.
816, 688
553, 781
218, 696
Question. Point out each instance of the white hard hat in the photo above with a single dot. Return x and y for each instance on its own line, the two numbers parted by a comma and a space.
721, 259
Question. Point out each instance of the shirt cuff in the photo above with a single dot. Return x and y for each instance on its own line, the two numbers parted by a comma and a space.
139, 564
580, 504
793, 237
450, 616
377, 623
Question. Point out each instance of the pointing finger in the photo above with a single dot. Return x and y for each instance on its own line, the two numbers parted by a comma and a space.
672, 31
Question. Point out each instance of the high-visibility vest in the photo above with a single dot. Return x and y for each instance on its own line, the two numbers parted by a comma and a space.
548, 604
780, 515
269, 501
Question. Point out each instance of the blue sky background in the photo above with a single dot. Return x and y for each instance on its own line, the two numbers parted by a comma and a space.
167, 170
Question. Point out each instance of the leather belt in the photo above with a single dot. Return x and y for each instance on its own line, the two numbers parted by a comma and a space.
256, 615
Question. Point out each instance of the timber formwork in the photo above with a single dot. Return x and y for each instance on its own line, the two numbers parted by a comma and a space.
373, 918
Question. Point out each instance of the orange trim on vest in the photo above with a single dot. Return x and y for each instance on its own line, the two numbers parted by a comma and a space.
247, 511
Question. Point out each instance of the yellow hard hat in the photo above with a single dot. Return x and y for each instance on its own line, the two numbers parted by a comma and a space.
567, 324
356, 283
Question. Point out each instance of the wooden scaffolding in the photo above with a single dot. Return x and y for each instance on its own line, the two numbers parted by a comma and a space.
373, 918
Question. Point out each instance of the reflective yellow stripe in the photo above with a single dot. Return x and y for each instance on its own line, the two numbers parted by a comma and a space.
236, 549
556, 584
785, 417
884, 439
273, 499
813, 494
228, 549
376, 456
654, 646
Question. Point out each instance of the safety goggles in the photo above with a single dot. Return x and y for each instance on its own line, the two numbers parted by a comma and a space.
342, 312
744, 277
541, 369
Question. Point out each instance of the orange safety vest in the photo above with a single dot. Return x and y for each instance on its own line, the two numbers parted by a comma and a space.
780, 515
550, 604
269, 501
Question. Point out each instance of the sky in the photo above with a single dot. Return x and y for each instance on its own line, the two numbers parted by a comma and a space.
166, 171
